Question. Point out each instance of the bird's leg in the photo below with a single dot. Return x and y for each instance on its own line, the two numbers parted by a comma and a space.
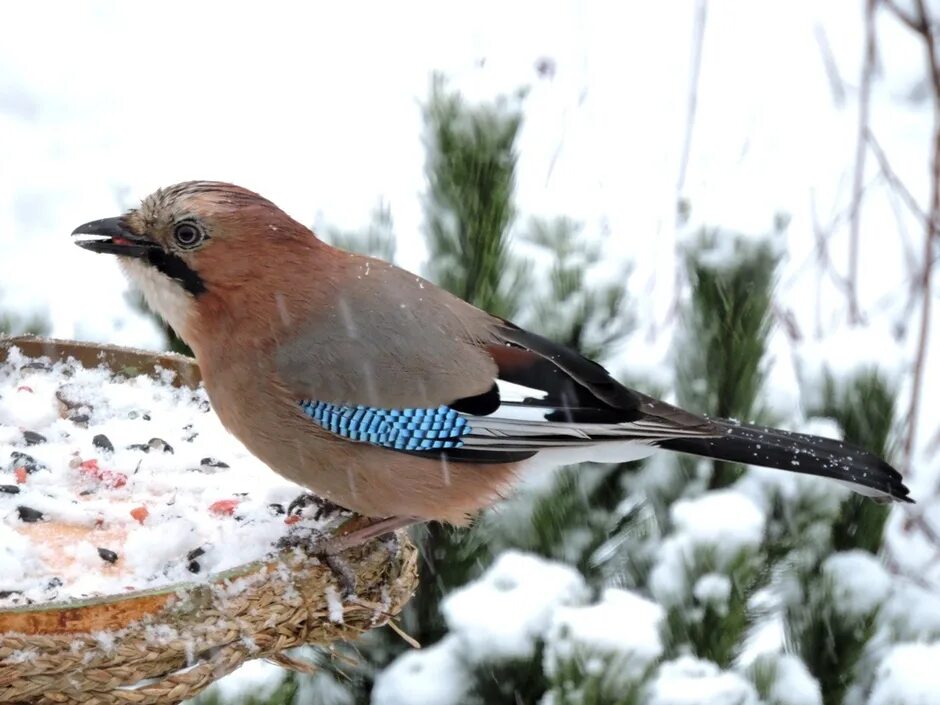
354, 532
359, 530
316, 544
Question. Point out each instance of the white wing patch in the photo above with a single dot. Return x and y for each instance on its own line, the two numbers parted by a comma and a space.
517, 393
520, 423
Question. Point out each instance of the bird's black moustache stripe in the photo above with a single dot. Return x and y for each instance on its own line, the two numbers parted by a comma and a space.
175, 268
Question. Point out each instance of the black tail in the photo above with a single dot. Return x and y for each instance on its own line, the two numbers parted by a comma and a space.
799, 452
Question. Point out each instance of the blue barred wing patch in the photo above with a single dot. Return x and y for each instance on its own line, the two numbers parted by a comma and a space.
401, 429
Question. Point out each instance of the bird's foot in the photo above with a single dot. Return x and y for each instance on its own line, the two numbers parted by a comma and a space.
316, 544
354, 532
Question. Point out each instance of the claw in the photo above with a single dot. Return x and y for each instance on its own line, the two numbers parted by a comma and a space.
354, 532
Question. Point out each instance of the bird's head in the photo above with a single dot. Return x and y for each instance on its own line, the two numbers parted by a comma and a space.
195, 238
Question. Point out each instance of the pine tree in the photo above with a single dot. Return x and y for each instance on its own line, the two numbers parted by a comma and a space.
470, 167
725, 328
830, 636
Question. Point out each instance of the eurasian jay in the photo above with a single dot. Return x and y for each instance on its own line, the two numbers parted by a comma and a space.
387, 395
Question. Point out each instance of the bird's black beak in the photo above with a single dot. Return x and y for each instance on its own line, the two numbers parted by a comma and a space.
113, 237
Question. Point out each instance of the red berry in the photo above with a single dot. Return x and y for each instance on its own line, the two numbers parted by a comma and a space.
140, 513
113, 479
224, 507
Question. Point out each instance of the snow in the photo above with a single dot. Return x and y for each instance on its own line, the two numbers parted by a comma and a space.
724, 521
720, 249
432, 676
335, 604
859, 581
125, 518
908, 675
847, 352
323, 689
912, 613
258, 675
621, 625
793, 685
713, 589
691, 681
503, 613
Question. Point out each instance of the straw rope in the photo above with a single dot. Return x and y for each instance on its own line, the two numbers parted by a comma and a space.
206, 632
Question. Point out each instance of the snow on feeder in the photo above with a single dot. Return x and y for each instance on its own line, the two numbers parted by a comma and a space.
139, 557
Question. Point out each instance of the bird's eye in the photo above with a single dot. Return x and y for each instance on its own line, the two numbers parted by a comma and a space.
188, 235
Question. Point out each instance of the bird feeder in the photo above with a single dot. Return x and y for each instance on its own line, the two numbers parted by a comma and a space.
166, 645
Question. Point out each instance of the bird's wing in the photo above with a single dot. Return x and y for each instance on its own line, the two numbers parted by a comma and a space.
541, 395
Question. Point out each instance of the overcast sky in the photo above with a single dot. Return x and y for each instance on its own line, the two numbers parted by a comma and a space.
317, 106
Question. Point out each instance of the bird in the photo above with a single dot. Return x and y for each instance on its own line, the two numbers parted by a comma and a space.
386, 395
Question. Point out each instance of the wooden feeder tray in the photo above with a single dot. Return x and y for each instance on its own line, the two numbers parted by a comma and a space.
167, 645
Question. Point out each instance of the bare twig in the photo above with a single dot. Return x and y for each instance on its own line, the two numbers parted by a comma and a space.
788, 323
864, 97
836, 84
698, 40
823, 234
896, 192
903, 15
894, 180
926, 30
931, 234
934, 445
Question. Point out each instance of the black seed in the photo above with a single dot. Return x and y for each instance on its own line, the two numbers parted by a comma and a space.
193, 566
301, 502
25, 461
54, 583
107, 555
160, 444
65, 401
28, 514
36, 366
78, 419
146, 417
132, 414
157, 444
204, 406
86, 493
195, 553
213, 463
9, 489
191, 437
276, 509
32, 438
103, 442
9, 593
